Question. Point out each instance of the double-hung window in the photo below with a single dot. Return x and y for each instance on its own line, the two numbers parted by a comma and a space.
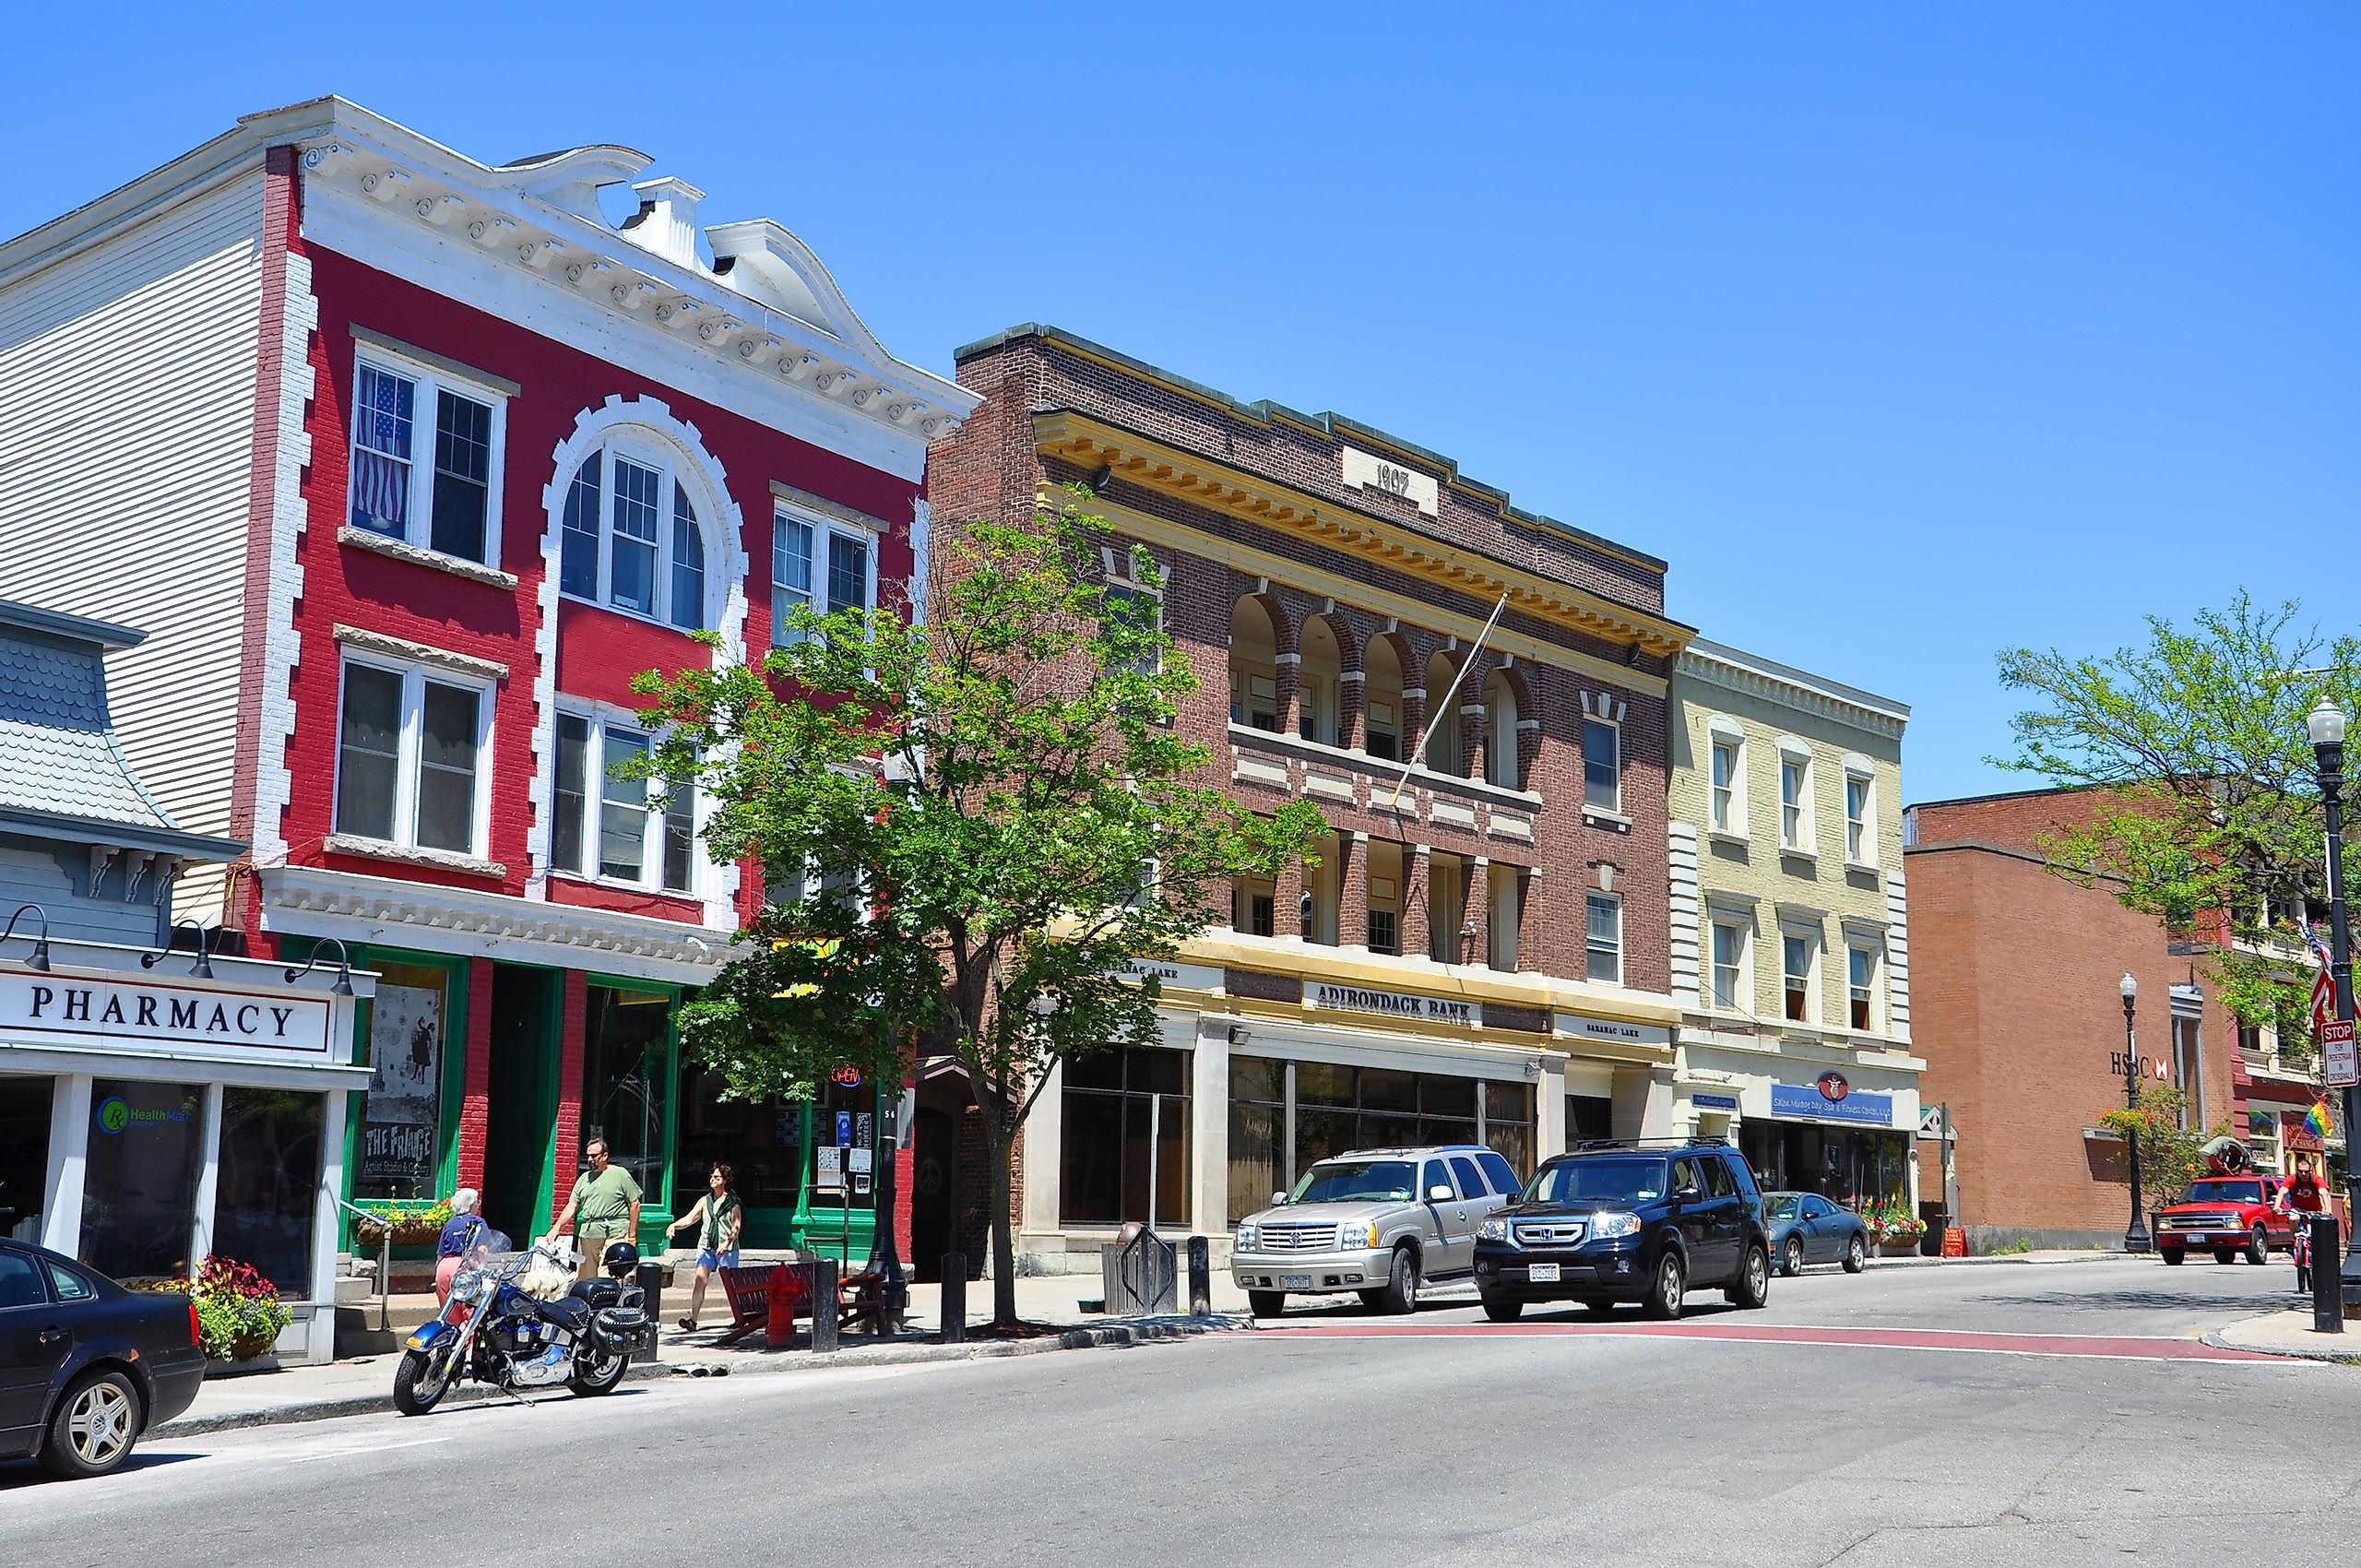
1729, 960
630, 538
1602, 766
827, 567
610, 820
411, 748
1860, 842
1729, 803
1797, 953
1604, 941
1861, 981
426, 454
1794, 801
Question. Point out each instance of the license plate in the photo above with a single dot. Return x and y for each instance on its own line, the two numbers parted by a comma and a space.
1296, 1281
1544, 1274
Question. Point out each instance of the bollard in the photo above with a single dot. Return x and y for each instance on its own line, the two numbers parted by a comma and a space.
954, 1298
824, 1304
1200, 1276
2328, 1284
651, 1294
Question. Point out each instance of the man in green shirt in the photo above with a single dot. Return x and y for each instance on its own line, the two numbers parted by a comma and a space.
604, 1207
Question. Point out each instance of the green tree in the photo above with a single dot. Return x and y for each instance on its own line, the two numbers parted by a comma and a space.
2169, 1153
2204, 804
994, 818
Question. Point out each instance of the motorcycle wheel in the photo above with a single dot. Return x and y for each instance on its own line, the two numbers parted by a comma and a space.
419, 1384
600, 1376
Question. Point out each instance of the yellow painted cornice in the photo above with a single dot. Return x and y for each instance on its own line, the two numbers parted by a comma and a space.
1302, 960
1091, 444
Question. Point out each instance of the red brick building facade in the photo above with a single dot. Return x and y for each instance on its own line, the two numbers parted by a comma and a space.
1480, 958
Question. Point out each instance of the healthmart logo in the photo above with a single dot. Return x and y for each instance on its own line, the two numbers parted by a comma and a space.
114, 1115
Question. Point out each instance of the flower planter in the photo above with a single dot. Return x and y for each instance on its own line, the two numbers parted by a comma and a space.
1898, 1247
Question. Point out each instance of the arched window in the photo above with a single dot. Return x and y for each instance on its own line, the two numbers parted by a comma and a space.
1442, 724
630, 539
1318, 682
1381, 701
1253, 667
1500, 731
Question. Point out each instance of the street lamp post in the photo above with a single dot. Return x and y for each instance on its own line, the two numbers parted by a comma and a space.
2327, 727
2135, 1240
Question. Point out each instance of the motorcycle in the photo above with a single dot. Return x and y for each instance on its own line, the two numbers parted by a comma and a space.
496, 1330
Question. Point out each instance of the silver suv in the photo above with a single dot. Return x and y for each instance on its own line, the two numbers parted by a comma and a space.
1378, 1222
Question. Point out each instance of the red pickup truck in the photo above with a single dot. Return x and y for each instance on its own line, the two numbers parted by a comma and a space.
2226, 1215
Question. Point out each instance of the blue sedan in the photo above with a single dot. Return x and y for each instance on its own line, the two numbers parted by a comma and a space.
1806, 1228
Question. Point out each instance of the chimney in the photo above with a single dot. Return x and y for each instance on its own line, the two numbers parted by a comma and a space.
667, 221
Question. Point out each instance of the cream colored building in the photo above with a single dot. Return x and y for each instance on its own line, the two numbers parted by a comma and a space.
1790, 928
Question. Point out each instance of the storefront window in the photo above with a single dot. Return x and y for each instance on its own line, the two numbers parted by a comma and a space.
1588, 1116
1507, 1124
139, 1181
625, 1066
1257, 1129
24, 1153
402, 1119
267, 1191
1858, 1169
761, 1141
1126, 1138
1339, 1108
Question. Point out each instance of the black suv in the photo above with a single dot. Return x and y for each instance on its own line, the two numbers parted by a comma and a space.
1628, 1221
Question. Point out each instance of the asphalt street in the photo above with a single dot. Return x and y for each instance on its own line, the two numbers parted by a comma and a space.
1991, 1415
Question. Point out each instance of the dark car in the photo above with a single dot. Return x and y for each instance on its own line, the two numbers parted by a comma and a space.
1628, 1221
85, 1366
1806, 1228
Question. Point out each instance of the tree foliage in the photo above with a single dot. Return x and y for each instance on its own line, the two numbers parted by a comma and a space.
2204, 808
2170, 1154
993, 817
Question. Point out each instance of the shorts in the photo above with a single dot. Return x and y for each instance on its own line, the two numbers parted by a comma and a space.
709, 1259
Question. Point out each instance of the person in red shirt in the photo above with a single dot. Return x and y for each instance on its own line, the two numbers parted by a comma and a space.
2300, 1197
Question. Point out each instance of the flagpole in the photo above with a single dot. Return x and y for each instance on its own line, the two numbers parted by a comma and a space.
1457, 681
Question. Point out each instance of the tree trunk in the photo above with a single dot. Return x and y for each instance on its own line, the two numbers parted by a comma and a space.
1003, 1237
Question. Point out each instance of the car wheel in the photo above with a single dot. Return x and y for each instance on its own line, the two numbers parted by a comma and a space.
1751, 1289
1401, 1293
598, 1376
1267, 1304
1791, 1258
1671, 1283
94, 1428
1857, 1255
2225, 1255
1504, 1309
2259, 1247
420, 1382
2173, 1256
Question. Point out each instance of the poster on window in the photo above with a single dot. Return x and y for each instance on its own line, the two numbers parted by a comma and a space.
405, 1091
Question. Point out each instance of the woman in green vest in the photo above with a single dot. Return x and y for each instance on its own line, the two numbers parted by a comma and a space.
717, 1216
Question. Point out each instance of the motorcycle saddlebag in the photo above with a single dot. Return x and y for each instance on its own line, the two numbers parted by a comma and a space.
623, 1325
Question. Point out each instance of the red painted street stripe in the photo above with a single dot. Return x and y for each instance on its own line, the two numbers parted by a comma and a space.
2142, 1347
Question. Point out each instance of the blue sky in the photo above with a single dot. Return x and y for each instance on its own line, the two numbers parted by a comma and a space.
1903, 333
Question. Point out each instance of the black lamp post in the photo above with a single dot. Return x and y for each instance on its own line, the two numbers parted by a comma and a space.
2327, 727
885, 1253
2135, 1240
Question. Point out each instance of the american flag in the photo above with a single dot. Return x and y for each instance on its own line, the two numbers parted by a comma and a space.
381, 477
2323, 983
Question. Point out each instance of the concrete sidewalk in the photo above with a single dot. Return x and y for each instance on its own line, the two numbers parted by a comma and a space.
2290, 1332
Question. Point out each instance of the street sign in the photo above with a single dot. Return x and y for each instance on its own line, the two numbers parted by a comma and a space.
830, 1177
844, 1128
2339, 1065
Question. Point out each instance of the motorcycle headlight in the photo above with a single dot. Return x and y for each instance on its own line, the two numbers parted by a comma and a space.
1492, 1230
1249, 1238
467, 1281
1363, 1234
1606, 1227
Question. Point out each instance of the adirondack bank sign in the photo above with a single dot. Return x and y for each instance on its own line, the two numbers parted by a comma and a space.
1402, 1004
95, 1014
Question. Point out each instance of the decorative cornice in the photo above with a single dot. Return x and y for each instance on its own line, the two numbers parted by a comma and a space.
1093, 443
1763, 680
420, 653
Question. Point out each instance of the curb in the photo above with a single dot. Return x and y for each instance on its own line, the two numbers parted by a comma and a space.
1989, 1260
1145, 1332
2217, 1339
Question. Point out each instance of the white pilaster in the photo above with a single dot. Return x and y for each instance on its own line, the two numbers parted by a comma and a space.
1044, 1152
209, 1173
69, 1142
1209, 1132
1549, 1113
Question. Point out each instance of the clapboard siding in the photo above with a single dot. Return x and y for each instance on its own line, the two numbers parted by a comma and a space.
126, 433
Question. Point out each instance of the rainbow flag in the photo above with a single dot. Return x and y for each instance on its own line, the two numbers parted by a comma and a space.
2317, 1119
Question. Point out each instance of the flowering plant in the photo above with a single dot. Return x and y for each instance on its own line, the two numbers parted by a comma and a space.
1893, 1222
410, 1222
239, 1315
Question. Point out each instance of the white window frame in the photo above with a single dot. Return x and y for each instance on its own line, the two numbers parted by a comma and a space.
409, 739
1592, 897
1875, 954
822, 528
1615, 731
1864, 827
1741, 990
428, 383
647, 453
1803, 839
1813, 942
601, 717
1121, 581
1726, 805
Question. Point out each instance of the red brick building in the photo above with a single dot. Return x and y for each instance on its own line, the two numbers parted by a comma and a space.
408, 462
1487, 956
2015, 972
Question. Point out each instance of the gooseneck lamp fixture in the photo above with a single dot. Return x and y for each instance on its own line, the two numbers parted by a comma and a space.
40, 959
